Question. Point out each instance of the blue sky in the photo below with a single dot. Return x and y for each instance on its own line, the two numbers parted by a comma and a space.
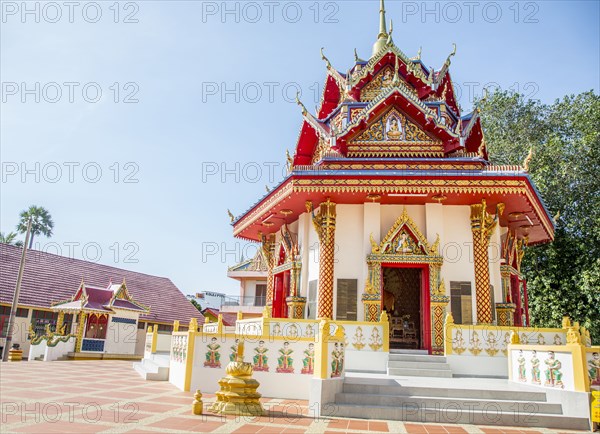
138, 135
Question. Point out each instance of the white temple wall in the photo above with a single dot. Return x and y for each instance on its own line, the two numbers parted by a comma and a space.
457, 248
121, 337
304, 247
349, 262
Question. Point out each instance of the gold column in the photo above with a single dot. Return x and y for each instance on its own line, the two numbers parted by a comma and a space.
482, 226
371, 298
295, 303
438, 313
324, 224
505, 313
80, 331
267, 248
59, 323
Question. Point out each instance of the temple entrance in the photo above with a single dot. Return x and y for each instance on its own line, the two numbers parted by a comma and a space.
403, 301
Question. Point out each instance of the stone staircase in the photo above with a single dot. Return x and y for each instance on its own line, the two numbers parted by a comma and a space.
155, 368
420, 400
417, 364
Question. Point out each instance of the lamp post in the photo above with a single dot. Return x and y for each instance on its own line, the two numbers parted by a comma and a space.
13, 309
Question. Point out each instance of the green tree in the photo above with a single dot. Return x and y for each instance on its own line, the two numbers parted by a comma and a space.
10, 238
563, 277
41, 224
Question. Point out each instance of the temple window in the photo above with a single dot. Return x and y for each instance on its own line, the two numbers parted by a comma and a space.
260, 295
4, 316
346, 299
96, 327
41, 318
461, 302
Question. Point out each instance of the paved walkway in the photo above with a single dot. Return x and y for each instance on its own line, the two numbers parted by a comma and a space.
110, 397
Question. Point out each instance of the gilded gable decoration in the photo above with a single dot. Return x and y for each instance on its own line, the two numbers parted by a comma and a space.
393, 134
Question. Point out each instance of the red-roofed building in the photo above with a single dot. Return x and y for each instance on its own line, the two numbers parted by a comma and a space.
50, 279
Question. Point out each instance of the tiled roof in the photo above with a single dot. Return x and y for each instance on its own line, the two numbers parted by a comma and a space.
50, 278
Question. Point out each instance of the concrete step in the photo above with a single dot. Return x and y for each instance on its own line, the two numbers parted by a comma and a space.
442, 392
420, 358
400, 351
466, 404
454, 414
419, 372
151, 371
418, 365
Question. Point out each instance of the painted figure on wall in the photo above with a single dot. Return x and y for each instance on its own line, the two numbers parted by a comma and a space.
309, 360
213, 357
260, 358
375, 341
285, 361
557, 340
359, 341
594, 370
337, 360
522, 370
553, 373
458, 343
535, 368
404, 244
475, 342
234, 349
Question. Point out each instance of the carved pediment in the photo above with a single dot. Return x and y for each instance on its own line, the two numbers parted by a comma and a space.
384, 78
405, 238
393, 134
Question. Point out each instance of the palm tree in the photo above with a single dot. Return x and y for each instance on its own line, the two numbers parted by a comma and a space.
10, 238
41, 222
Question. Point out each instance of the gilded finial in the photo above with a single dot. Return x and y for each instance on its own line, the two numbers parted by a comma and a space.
458, 128
389, 39
419, 53
430, 76
304, 111
396, 79
453, 53
481, 149
356, 58
327, 62
382, 36
527, 160
231, 216
289, 160
556, 217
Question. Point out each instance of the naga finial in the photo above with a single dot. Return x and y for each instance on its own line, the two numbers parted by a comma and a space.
389, 39
419, 53
289, 160
304, 111
527, 160
356, 58
396, 79
267, 189
453, 53
556, 217
327, 62
231, 216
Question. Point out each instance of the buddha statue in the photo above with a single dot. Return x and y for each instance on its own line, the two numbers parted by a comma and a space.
394, 132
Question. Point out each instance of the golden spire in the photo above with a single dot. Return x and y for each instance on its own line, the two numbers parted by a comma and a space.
382, 37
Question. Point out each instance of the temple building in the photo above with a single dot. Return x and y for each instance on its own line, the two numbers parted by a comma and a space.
391, 204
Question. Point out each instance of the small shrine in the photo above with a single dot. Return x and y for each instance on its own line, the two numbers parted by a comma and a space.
105, 317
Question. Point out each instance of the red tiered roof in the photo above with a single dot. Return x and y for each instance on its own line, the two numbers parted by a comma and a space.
347, 154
